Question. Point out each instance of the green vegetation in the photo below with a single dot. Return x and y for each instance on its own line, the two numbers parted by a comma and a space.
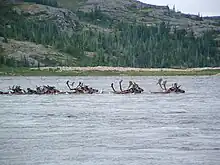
146, 10
6, 71
96, 17
125, 44
52, 3
71, 4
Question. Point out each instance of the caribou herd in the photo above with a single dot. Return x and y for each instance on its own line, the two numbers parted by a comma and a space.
133, 88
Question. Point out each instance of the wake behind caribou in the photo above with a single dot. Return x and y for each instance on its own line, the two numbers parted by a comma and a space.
81, 88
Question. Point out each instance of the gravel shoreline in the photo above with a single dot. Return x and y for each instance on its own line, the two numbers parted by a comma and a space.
124, 69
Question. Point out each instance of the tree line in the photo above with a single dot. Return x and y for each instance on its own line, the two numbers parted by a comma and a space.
125, 44
52, 3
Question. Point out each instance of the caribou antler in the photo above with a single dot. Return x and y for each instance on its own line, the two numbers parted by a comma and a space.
130, 84
176, 86
159, 82
135, 85
164, 85
79, 85
112, 85
120, 85
67, 83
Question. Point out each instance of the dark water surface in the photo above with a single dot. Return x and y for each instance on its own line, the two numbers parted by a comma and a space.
108, 129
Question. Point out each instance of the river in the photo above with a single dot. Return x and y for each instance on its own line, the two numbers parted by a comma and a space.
108, 129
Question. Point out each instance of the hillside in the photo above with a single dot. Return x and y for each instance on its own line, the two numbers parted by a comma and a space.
111, 33
23, 53
136, 11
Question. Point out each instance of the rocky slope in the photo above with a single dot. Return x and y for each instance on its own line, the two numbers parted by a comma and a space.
119, 10
67, 20
35, 54
136, 11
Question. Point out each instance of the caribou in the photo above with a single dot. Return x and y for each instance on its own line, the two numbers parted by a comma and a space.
46, 89
173, 89
16, 90
81, 88
132, 88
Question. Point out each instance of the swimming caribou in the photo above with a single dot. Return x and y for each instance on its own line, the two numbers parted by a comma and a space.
133, 88
173, 89
81, 88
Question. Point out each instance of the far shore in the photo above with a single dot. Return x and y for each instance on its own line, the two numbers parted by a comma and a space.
126, 69
108, 71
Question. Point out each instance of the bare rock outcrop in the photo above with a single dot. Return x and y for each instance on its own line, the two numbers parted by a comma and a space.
136, 11
33, 53
65, 19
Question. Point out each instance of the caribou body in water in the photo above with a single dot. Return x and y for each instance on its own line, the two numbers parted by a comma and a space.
85, 89
46, 89
175, 88
81, 88
132, 88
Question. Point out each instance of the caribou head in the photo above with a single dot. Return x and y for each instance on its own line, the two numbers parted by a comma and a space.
132, 88
175, 88
81, 88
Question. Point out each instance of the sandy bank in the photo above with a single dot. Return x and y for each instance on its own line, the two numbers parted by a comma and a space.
125, 69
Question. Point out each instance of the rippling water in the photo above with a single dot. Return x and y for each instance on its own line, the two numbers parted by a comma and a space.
107, 129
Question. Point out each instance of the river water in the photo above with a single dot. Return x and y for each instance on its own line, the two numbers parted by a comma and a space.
108, 129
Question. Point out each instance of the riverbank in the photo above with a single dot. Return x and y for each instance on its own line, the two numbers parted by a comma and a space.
107, 71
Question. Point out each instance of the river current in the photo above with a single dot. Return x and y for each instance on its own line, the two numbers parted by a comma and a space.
110, 129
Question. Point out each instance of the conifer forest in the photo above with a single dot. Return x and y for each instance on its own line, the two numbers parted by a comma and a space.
115, 43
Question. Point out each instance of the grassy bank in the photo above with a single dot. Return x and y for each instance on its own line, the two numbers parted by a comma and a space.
58, 72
